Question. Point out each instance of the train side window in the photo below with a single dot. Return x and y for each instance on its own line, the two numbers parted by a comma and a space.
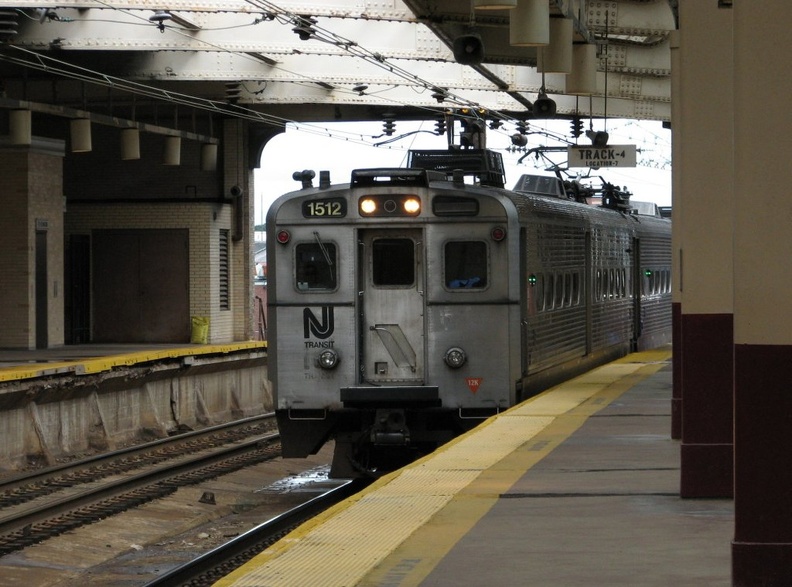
538, 292
465, 265
559, 290
316, 266
598, 285
576, 289
549, 291
393, 262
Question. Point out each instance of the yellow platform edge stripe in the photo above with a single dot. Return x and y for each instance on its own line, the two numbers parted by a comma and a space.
363, 539
107, 363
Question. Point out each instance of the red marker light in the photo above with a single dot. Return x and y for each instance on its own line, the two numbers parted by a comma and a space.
283, 236
498, 234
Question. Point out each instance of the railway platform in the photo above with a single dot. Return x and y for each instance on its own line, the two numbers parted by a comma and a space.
74, 400
577, 486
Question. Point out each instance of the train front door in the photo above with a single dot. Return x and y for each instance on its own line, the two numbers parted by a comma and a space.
391, 286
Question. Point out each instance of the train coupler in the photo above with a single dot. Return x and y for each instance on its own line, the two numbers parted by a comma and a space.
390, 428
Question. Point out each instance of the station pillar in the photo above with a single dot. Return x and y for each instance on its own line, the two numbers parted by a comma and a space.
676, 238
762, 547
31, 245
704, 193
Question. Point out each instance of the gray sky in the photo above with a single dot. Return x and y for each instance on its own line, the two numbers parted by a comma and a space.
342, 147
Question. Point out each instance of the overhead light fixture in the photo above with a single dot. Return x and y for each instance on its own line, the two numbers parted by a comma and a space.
583, 79
20, 127
543, 107
529, 24
130, 144
494, 4
208, 157
172, 152
80, 135
557, 56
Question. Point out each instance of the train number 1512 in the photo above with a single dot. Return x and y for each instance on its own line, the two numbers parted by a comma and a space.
328, 207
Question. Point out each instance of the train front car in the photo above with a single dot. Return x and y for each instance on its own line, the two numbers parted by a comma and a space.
394, 315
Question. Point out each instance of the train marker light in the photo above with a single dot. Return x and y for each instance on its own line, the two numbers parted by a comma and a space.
412, 205
328, 359
498, 234
455, 357
368, 206
283, 236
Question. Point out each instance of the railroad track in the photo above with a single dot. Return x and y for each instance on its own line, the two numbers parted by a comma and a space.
207, 568
45, 503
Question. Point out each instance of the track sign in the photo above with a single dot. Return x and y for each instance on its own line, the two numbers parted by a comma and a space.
596, 157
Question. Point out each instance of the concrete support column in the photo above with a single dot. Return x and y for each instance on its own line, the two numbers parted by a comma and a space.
676, 237
762, 547
706, 189
31, 245
238, 179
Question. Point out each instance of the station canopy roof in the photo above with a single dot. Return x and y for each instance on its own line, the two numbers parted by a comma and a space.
283, 61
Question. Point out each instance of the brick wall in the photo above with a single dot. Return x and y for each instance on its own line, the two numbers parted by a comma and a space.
31, 190
203, 221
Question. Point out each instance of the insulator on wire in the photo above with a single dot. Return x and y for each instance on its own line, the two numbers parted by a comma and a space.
233, 90
305, 27
8, 24
577, 127
440, 126
388, 126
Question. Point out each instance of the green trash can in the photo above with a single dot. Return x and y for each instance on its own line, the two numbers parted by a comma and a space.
200, 330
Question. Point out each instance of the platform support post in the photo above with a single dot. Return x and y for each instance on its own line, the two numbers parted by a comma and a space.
704, 193
762, 547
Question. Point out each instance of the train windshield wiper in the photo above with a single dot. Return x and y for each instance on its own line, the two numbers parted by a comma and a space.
323, 249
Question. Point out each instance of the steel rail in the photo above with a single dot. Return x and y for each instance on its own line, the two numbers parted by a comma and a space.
52, 473
210, 566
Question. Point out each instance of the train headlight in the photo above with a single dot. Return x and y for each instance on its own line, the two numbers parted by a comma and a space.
455, 357
368, 206
328, 359
412, 206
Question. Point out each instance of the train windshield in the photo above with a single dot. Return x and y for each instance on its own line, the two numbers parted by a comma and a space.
466, 265
393, 262
316, 266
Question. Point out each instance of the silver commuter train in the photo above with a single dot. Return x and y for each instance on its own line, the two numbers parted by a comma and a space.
408, 305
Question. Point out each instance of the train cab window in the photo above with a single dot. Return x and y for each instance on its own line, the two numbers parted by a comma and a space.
316, 266
393, 262
465, 265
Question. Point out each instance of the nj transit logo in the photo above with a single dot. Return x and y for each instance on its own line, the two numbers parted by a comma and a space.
320, 328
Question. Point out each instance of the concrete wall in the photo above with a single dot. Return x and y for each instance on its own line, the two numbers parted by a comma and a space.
69, 416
